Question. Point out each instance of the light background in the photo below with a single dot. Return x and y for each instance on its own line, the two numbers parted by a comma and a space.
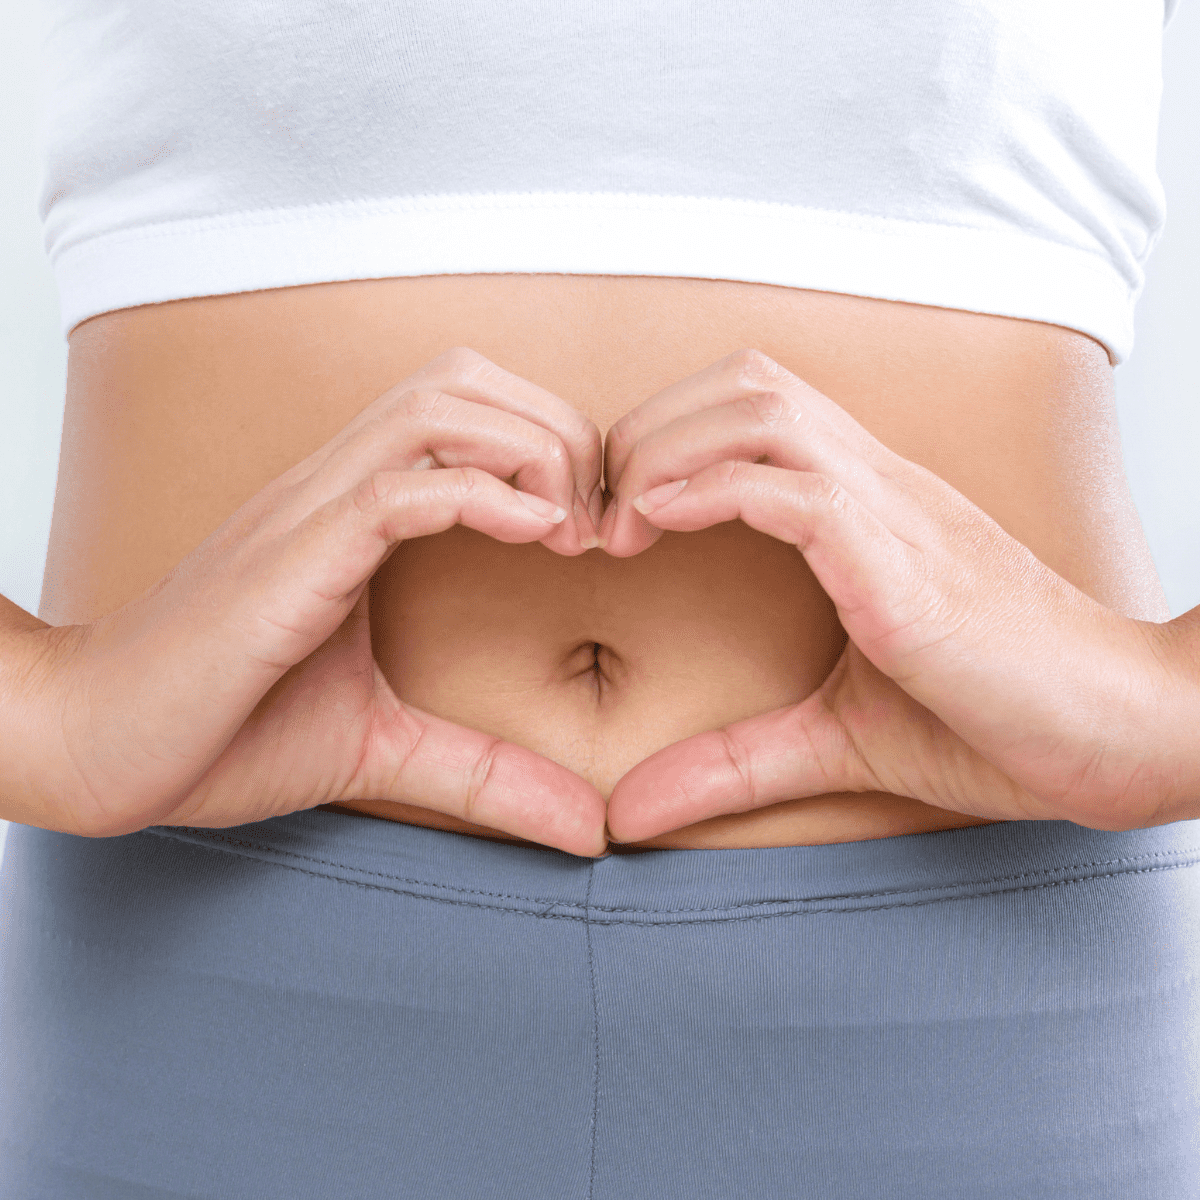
1158, 391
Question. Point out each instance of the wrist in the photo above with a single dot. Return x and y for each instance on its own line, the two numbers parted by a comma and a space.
36, 782
1172, 751
1118, 750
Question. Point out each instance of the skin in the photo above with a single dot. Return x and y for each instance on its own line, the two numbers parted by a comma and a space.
974, 677
589, 662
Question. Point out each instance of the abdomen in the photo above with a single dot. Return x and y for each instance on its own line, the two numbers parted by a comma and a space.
177, 413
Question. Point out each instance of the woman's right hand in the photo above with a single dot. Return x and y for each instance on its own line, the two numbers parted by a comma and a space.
242, 685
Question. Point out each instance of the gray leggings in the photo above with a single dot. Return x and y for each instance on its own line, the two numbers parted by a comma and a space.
328, 1005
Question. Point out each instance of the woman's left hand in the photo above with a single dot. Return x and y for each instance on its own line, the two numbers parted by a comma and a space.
975, 678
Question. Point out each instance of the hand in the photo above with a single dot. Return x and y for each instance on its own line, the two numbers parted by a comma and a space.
242, 685
975, 678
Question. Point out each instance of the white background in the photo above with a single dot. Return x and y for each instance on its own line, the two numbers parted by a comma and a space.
1157, 389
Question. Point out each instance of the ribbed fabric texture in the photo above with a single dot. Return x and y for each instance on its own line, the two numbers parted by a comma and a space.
328, 1005
996, 156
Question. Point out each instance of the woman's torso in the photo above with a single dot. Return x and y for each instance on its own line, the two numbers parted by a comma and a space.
177, 413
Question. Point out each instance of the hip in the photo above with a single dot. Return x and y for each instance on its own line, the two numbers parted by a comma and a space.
322, 1002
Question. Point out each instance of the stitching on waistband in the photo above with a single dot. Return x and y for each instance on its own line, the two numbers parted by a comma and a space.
809, 906
211, 835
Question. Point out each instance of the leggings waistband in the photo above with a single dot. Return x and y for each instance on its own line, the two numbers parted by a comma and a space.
676, 886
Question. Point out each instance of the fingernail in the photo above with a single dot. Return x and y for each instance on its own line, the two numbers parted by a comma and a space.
656, 497
588, 524
543, 508
590, 539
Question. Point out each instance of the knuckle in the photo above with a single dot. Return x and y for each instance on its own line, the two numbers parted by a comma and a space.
462, 360
584, 437
769, 408
740, 762
620, 435
374, 492
423, 404
823, 493
589, 434
732, 472
554, 453
465, 481
576, 426
752, 367
479, 778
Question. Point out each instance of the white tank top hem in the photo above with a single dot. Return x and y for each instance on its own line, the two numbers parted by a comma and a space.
996, 156
947, 266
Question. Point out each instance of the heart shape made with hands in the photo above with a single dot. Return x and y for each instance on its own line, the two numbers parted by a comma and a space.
930, 590
974, 679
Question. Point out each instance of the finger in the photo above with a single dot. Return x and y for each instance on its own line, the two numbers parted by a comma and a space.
734, 377
427, 429
874, 578
423, 760
281, 600
938, 618
467, 374
764, 427
787, 754
483, 381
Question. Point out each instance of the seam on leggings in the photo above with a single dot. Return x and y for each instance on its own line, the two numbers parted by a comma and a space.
206, 835
587, 932
809, 909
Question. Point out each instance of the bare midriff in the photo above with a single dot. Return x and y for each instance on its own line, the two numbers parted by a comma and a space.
177, 413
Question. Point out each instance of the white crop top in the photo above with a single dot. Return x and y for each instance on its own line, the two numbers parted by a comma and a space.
991, 155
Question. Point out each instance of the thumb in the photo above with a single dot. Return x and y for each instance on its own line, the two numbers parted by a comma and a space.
788, 754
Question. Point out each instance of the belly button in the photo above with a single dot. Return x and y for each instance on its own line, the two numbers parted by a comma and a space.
609, 667
597, 665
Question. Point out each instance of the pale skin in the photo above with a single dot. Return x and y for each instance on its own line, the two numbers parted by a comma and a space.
975, 678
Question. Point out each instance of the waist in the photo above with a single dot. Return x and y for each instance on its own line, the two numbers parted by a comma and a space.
177, 413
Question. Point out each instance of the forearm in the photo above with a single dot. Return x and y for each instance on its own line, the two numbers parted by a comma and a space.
29, 653
1174, 753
